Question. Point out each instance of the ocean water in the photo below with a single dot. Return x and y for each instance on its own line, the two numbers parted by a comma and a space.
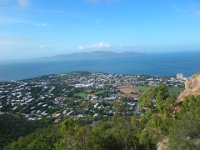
164, 64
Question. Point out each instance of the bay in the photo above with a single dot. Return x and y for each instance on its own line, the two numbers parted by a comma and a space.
163, 64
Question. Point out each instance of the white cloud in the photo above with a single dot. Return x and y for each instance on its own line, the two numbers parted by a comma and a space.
97, 46
81, 47
20, 3
23, 3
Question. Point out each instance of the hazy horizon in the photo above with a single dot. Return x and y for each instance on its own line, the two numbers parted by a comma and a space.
33, 28
61, 56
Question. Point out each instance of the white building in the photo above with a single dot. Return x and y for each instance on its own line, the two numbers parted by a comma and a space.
179, 76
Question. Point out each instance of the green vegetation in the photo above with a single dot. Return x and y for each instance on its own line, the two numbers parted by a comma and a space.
39, 140
142, 89
175, 91
185, 130
80, 94
15, 126
162, 118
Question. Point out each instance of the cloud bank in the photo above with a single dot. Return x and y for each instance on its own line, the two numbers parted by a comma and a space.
97, 46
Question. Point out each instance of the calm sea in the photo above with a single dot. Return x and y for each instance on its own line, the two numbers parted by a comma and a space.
167, 64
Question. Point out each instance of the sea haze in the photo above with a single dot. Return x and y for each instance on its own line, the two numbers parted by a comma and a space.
163, 64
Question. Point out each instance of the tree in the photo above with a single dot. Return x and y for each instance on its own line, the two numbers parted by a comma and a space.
162, 93
184, 133
146, 100
41, 139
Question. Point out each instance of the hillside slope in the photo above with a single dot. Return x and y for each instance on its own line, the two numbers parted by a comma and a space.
192, 87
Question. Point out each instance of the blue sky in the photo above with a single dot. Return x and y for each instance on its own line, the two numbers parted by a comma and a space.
38, 28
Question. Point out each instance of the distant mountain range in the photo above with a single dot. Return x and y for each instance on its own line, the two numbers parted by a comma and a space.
97, 54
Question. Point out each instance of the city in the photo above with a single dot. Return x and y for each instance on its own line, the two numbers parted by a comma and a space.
78, 94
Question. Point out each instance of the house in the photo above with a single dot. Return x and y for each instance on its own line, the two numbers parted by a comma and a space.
59, 100
129, 92
92, 97
179, 76
95, 106
96, 115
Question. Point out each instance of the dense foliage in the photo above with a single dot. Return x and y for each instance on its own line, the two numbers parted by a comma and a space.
14, 126
185, 130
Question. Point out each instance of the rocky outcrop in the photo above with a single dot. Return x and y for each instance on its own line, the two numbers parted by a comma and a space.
164, 144
192, 87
